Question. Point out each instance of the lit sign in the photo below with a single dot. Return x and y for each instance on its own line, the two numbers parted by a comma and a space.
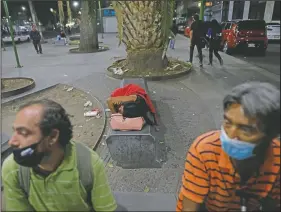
108, 12
209, 4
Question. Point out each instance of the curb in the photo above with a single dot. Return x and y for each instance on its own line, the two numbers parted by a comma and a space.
18, 90
152, 78
104, 123
72, 50
95, 98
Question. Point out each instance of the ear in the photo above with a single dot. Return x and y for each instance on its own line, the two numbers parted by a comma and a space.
54, 136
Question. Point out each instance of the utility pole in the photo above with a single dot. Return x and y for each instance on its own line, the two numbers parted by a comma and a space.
202, 6
12, 33
101, 20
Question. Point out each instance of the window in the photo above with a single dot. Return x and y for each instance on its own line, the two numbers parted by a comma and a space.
251, 25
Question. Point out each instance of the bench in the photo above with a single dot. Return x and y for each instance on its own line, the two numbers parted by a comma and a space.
133, 149
61, 42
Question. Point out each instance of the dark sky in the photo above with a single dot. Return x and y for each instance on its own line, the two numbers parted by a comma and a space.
42, 9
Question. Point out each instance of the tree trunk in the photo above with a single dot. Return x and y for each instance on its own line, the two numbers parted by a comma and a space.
69, 13
138, 61
35, 19
144, 29
88, 27
61, 13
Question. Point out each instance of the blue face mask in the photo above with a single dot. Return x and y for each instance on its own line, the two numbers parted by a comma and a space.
239, 150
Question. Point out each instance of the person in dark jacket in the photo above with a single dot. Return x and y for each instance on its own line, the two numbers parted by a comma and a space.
215, 35
36, 38
196, 38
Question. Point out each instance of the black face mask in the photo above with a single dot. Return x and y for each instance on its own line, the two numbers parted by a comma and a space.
28, 156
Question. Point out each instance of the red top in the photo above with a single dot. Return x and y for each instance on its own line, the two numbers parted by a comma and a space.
133, 89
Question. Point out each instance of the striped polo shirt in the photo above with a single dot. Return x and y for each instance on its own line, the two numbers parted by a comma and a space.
209, 176
62, 190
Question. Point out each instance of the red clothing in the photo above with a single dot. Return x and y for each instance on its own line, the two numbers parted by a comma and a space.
133, 89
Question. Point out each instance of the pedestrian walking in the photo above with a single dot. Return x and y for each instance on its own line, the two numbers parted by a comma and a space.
237, 168
69, 30
196, 38
215, 37
49, 172
36, 38
172, 37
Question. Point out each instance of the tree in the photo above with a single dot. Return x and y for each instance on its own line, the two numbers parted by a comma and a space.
144, 28
35, 18
61, 12
88, 27
69, 14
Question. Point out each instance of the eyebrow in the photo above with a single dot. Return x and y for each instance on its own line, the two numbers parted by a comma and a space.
240, 125
21, 129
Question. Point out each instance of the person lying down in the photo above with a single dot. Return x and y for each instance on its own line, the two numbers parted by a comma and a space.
132, 101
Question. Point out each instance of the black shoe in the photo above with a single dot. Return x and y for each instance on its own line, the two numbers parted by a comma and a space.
201, 65
41, 53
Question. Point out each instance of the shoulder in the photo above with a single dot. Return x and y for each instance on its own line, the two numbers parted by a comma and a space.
207, 142
9, 168
97, 162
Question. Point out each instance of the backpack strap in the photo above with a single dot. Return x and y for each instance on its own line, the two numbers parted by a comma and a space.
24, 179
84, 166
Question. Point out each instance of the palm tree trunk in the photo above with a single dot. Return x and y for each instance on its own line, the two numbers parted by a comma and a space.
35, 19
69, 13
61, 13
144, 30
88, 27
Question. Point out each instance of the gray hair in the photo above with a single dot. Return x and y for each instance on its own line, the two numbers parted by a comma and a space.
258, 100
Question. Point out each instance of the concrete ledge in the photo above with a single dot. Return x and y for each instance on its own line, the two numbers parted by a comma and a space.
151, 78
17, 91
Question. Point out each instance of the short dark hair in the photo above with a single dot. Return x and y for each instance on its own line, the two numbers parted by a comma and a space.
261, 101
196, 17
54, 117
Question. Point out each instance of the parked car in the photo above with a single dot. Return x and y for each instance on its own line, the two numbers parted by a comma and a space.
273, 30
181, 27
18, 37
246, 34
226, 28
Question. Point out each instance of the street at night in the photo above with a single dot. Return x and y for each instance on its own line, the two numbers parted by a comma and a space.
270, 62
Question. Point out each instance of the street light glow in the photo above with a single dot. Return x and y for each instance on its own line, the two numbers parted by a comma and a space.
52, 10
75, 4
23, 8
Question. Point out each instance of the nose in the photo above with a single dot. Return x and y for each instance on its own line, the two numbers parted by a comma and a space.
14, 141
232, 132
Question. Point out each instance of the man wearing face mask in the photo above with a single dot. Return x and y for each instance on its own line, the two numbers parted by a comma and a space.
42, 147
238, 167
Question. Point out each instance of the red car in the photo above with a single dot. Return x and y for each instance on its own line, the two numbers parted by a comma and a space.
246, 34
187, 32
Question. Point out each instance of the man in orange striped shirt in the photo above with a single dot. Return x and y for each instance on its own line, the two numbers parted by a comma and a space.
238, 167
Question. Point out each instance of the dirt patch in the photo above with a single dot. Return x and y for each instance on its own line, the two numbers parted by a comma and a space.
174, 67
13, 84
85, 129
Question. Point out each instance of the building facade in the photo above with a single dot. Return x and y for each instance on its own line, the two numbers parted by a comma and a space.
231, 10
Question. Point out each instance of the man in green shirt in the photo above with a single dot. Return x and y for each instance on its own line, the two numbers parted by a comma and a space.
41, 142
